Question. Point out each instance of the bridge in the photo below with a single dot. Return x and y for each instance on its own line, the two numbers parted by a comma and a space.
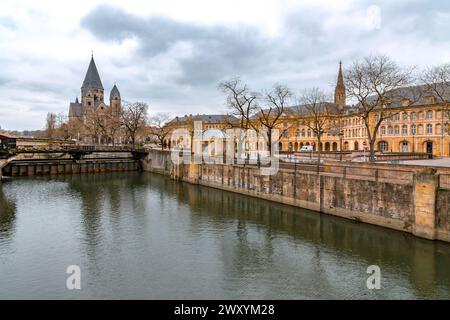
78, 152
4, 163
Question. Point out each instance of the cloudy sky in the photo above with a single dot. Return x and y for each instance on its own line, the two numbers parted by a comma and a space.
172, 53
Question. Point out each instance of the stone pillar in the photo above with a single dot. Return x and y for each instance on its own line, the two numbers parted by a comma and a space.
31, 170
426, 185
39, 169
194, 172
53, 169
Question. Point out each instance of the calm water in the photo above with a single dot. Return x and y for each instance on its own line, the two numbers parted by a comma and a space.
144, 236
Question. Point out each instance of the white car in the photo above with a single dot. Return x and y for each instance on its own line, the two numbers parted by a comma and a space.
306, 149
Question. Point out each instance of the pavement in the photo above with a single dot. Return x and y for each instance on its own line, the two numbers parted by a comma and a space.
440, 162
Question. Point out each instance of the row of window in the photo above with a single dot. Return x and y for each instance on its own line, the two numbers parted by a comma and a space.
413, 129
413, 116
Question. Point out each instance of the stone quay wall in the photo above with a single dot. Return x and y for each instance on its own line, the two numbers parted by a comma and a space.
404, 198
68, 167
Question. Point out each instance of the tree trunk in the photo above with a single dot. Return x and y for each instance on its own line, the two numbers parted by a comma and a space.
318, 153
372, 150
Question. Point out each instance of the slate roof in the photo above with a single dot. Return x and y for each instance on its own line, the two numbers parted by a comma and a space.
92, 78
205, 118
114, 92
75, 109
417, 95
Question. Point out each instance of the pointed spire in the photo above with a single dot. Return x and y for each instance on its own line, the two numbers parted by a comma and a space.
92, 78
114, 92
340, 80
76, 100
339, 92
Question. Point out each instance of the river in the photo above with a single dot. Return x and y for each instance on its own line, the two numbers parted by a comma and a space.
144, 236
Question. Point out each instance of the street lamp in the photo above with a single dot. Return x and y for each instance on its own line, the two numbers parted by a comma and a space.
341, 137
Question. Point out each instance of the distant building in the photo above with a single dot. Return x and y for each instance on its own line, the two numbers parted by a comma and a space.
92, 96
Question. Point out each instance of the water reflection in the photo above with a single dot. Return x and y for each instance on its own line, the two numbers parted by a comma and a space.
420, 260
145, 236
7, 216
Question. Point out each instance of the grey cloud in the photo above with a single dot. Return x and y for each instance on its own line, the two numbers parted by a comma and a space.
215, 49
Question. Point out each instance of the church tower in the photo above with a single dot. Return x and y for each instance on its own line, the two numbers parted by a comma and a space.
115, 100
92, 88
339, 91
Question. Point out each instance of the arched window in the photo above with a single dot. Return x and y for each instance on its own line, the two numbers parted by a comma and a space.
413, 129
413, 116
383, 130
404, 116
303, 132
297, 132
309, 132
404, 146
438, 128
356, 146
390, 130
346, 146
396, 117
335, 146
327, 146
429, 129
397, 130
404, 129
430, 115
420, 129
382, 146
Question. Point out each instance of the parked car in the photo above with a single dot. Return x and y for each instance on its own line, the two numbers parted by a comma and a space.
306, 149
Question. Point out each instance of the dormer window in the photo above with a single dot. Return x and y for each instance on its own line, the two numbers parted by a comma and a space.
405, 102
430, 100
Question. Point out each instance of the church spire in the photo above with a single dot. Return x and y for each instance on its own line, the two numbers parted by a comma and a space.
339, 92
92, 78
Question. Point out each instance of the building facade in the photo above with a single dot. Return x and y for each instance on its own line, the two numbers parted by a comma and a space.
416, 123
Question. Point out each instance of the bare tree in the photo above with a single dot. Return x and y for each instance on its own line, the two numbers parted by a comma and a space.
93, 125
274, 103
241, 101
437, 84
315, 115
372, 82
133, 117
50, 125
160, 130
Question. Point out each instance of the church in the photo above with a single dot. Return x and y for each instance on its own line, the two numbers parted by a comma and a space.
92, 96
